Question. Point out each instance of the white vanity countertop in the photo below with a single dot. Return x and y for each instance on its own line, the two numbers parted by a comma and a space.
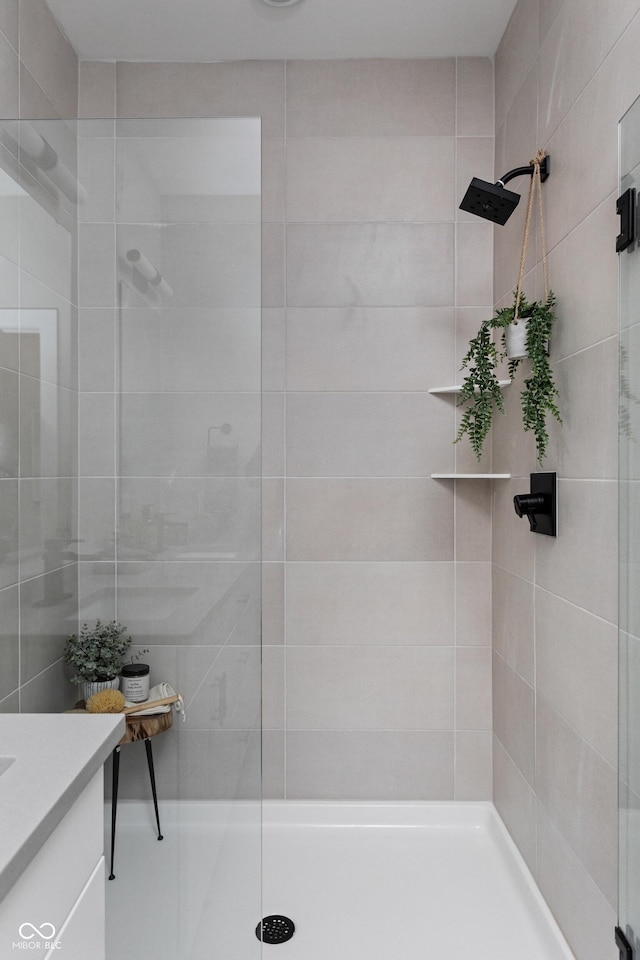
57, 755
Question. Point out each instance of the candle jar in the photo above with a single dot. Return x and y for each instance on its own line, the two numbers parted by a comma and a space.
135, 682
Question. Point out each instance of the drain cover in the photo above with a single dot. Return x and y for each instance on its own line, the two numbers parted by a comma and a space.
275, 929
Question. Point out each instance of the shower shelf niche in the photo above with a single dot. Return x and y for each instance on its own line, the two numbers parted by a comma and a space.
456, 388
470, 476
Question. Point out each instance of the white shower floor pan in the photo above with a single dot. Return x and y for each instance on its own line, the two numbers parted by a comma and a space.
361, 881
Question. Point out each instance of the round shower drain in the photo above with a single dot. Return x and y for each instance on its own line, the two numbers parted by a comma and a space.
275, 929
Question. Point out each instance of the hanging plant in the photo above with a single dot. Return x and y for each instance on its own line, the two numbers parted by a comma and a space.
481, 387
481, 390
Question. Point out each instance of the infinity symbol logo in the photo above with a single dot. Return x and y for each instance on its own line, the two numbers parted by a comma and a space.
46, 932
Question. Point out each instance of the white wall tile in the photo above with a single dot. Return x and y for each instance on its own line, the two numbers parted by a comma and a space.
473, 688
361, 264
97, 435
386, 98
587, 413
9, 80
513, 543
369, 520
474, 97
369, 603
369, 688
9, 22
584, 914
97, 89
367, 435
245, 88
586, 311
474, 264
96, 173
369, 348
583, 34
273, 603
573, 643
96, 265
517, 51
514, 717
515, 801
473, 604
473, 765
592, 582
273, 432
513, 621
473, 519
354, 178
579, 791
49, 56
328, 765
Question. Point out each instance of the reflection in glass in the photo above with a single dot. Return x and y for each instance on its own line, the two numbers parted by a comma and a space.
187, 542
39, 199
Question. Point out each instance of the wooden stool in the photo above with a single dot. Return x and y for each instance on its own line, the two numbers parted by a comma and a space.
138, 728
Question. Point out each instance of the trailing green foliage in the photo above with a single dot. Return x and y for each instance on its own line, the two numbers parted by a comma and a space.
481, 388
96, 652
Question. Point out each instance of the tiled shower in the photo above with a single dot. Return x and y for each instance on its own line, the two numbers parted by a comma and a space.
360, 312
418, 642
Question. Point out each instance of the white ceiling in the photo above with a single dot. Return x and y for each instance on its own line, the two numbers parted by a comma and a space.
251, 30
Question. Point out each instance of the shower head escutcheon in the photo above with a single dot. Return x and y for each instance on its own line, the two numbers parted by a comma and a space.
492, 201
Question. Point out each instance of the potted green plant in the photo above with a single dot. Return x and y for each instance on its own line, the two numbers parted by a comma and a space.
95, 654
481, 392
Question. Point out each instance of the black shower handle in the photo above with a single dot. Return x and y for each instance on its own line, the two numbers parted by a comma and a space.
528, 504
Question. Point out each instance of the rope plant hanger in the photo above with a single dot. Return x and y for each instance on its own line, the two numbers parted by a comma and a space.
530, 324
534, 187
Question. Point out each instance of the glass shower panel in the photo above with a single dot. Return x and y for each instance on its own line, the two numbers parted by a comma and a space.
170, 314
38, 411
629, 561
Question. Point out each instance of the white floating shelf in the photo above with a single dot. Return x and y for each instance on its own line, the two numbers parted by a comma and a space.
458, 387
470, 476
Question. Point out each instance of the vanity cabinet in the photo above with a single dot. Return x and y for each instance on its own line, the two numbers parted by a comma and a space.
60, 897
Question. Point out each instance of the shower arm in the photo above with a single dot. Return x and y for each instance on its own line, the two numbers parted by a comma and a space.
526, 171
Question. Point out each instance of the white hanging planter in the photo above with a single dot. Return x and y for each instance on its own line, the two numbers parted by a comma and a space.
516, 339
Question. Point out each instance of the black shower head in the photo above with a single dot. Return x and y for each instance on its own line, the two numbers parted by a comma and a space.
490, 200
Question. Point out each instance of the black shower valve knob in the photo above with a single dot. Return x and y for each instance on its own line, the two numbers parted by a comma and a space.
539, 506
530, 504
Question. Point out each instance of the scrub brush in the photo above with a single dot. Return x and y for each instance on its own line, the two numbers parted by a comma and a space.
106, 701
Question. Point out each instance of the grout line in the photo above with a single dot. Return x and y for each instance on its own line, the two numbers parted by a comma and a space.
570, 603
513, 670
590, 346
455, 482
391, 136
285, 458
16, 50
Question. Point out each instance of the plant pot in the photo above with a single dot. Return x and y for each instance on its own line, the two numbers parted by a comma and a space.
89, 687
516, 339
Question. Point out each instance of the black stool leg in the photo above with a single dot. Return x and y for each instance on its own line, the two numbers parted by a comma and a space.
115, 767
152, 777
